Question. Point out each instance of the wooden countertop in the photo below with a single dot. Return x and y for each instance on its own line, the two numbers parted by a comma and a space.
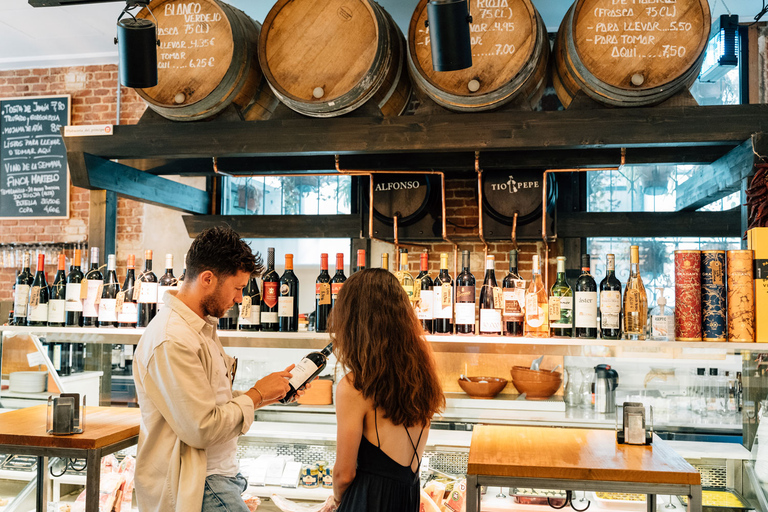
574, 454
103, 426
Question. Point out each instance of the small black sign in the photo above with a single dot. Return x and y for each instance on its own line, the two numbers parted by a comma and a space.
33, 160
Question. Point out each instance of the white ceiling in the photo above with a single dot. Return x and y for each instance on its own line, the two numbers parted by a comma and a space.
83, 34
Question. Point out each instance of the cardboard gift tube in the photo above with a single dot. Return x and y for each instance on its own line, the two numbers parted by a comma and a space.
741, 297
688, 295
714, 319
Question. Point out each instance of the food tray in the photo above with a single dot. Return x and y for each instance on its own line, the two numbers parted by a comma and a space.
529, 496
720, 500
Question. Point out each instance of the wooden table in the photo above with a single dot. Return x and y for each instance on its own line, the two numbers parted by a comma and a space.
107, 430
576, 459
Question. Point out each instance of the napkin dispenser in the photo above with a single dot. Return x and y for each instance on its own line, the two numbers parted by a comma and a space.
633, 429
65, 415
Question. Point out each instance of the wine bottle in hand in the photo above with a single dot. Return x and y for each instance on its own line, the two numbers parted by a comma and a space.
309, 368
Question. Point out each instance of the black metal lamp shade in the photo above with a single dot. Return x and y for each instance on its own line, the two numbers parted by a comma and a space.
137, 49
449, 34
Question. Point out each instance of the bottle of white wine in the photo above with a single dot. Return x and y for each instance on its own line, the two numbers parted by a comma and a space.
309, 367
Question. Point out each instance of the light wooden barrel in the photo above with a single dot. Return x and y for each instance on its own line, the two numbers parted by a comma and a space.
510, 53
625, 53
325, 58
207, 60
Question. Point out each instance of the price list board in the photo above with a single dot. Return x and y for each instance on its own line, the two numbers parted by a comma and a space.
642, 43
503, 35
196, 50
34, 178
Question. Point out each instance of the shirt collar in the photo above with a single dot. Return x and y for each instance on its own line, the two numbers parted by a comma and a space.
189, 316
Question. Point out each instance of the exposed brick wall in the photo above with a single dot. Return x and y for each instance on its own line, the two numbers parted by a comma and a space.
94, 101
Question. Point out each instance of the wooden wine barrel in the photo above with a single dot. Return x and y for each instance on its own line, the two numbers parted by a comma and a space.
206, 61
324, 58
510, 53
626, 54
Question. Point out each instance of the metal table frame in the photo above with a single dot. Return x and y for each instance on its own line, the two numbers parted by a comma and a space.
93, 469
650, 489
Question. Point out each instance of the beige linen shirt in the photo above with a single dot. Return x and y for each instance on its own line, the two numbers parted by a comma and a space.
176, 388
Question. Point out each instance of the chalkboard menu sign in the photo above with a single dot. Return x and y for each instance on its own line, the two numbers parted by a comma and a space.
33, 160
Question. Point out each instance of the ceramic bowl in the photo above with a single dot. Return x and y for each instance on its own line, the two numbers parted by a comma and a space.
523, 373
482, 387
536, 384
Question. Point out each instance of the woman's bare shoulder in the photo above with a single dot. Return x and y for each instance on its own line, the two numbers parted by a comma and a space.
346, 390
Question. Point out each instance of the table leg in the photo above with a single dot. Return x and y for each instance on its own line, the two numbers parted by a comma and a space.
473, 494
41, 498
694, 499
92, 480
650, 499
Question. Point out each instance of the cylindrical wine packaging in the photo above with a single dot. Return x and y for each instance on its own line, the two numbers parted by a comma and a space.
741, 297
688, 295
713, 311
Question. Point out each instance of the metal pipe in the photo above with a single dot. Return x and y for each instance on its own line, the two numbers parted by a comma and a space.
394, 232
480, 205
514, 231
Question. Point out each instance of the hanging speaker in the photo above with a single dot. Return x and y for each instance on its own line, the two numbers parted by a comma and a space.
520, 191
415, 199
137, 48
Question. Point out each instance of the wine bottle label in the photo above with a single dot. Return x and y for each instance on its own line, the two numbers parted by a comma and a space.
586, 310
57, 311
147, 293
254, 318
119, 301
408, 290
443, 301
83, 289
610, 309
514, 302
74, 303
90, 307
490, 320
465, 313
285, 307
531, 306
465, 294
270, 294
245, 308
21, 299
302, 372
34, 296
424, 305
38, 313
563, 306
129, 314
498, 298
335, 289
161, 293
107, 310
663, 326
323, 293
416, 290
56, 360
269, 317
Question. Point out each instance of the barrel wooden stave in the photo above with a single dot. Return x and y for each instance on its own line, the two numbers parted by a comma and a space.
602, 72
518, 76
189, 87
348, 52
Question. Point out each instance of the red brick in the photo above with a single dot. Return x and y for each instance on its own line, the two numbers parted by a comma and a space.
41, 71
40, 88
91, 100
31, 80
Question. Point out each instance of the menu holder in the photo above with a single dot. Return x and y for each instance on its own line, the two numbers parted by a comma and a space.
65, 416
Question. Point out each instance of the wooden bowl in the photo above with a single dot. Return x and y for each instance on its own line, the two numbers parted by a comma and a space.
523, 373
482, 387
536, 384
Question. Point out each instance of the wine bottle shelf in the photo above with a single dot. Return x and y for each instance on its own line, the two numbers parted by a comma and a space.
440, 343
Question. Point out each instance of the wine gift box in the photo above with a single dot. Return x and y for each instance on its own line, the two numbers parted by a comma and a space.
757, 239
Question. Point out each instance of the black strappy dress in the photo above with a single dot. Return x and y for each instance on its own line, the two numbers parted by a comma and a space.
381, 484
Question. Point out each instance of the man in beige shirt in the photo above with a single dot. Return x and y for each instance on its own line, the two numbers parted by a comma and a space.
190, 417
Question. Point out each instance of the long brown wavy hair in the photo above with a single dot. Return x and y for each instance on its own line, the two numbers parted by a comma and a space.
377, 337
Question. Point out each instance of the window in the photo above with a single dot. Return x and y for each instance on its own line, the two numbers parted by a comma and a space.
287, 195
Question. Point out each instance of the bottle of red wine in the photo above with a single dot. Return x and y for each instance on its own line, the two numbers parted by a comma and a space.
21, 291
250, 309
167, 281
288, 300
513, 288
147, 299
610, 302
183, 271
360, 260
465, 298
425, 302
338, 279
309, 367
442, 292
490, 300
126, 306
585, 303
323, 295
57, 302
74, 302
108, 304
229, 321
94, 281
270, 283
38, 296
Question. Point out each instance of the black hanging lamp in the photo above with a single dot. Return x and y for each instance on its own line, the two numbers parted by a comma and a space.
448, 22
137, 47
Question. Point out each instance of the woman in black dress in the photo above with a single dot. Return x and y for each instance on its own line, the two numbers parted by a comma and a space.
385, 404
